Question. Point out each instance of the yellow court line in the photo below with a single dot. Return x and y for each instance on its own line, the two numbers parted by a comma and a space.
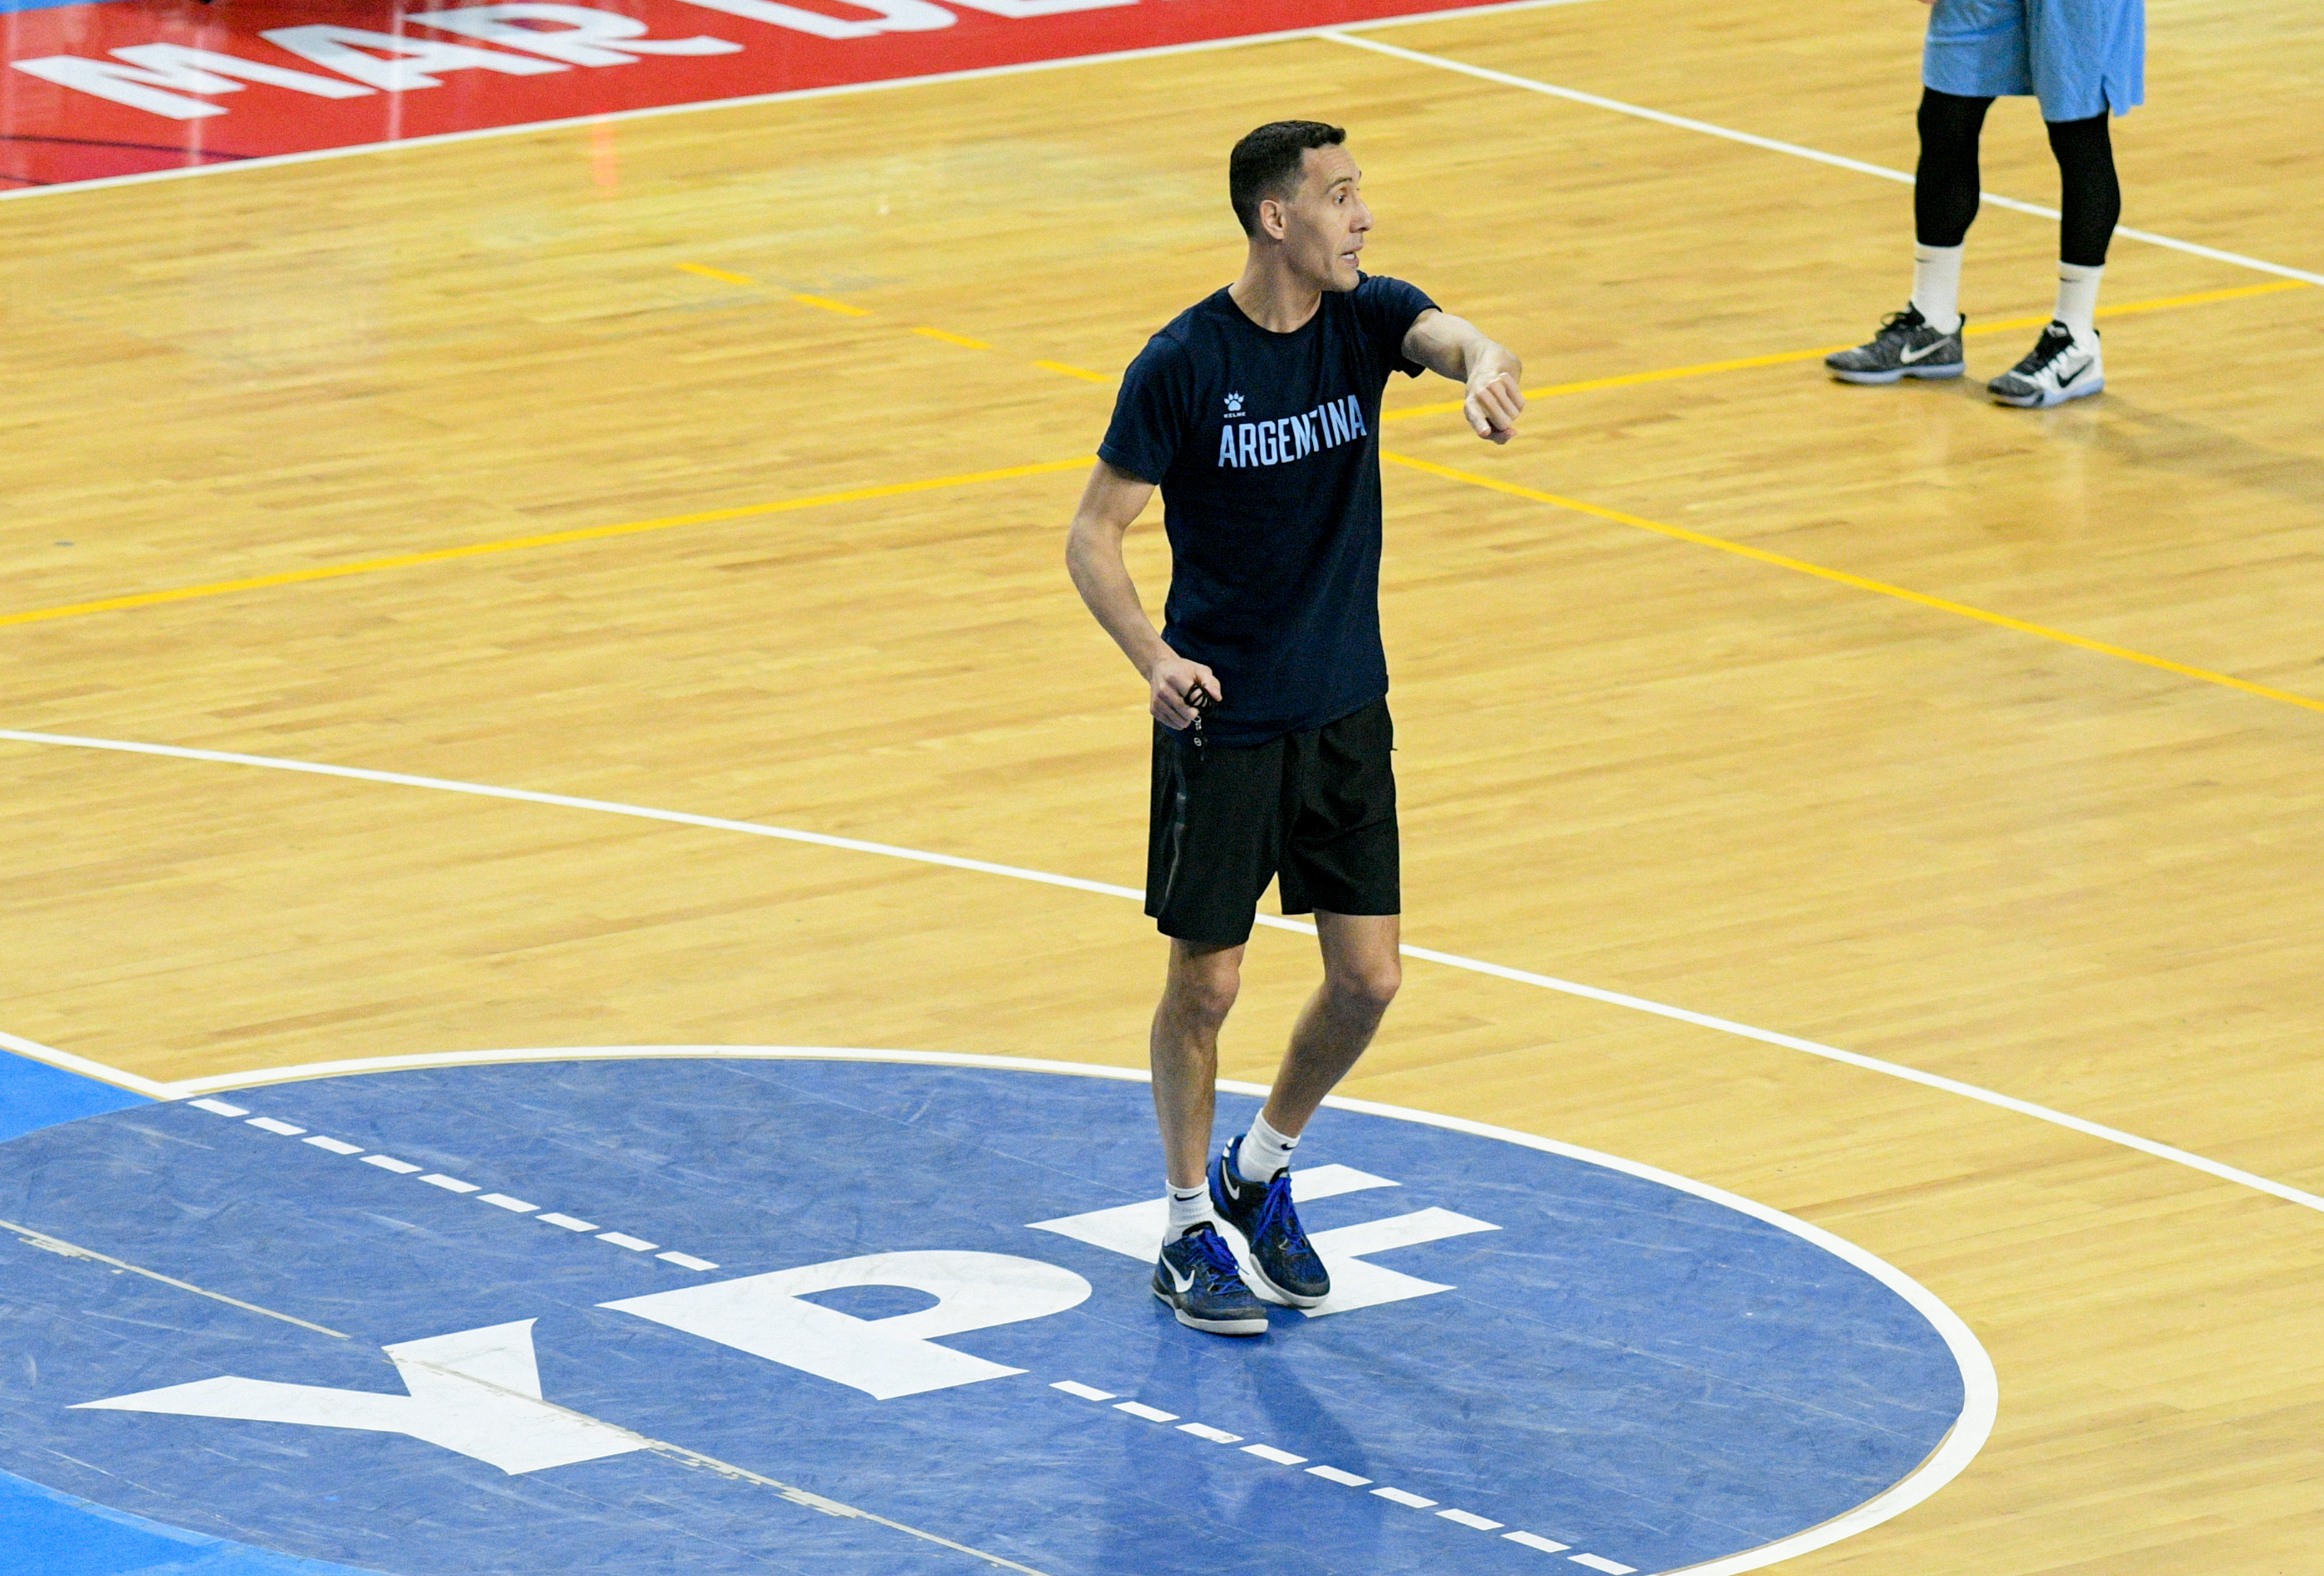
1784, 358
960, 339
550, 539
1842, 577
828, 305
1082, 372
719, 274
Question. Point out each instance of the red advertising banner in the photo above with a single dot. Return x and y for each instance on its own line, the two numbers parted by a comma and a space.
135, 87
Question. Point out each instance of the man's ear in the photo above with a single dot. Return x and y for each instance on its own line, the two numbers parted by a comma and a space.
1274, 222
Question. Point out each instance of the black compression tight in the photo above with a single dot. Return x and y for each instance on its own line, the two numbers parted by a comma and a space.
2092, 193
1946, 186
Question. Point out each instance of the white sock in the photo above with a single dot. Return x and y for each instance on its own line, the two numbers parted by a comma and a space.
1936, 284
2078, 299
1189, 1207
1264, 1151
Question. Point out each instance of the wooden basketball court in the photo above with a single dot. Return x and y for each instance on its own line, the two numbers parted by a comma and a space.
718, 462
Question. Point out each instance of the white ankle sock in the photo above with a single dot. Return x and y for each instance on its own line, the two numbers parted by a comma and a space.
1189, 1206
2078, 299
1264, 1151
1936, 284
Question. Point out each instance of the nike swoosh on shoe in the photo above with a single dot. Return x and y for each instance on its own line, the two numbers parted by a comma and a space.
1909, 356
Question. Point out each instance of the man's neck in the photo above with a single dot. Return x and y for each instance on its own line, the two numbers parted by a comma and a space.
1271, 296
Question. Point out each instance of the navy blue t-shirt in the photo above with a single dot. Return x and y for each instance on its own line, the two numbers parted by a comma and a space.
1265, 447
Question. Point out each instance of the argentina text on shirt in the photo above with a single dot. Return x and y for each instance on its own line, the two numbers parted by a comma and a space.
1291, 438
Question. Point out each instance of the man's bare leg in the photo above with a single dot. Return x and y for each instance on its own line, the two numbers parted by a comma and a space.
1196, 998
1196, 1275
1362, 969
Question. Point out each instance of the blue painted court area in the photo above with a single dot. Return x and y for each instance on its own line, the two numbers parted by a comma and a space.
34, 1095
842, 1317
58, 1534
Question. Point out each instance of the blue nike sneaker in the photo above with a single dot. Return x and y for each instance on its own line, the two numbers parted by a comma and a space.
1197, 1277
1286, 1264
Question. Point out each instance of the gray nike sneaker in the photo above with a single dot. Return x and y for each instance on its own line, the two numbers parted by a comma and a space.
2056, 369
1906, 347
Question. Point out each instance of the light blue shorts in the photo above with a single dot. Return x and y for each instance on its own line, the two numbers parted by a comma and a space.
2080, 58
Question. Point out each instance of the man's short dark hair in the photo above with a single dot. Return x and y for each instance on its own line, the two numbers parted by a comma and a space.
1267, 162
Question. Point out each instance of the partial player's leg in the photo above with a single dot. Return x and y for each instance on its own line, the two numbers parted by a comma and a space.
2087, 59
1342, 861
1197, 994
1197, 1274
1363, 967
1211, 845
2065, 364
1924, 339
1250, 1179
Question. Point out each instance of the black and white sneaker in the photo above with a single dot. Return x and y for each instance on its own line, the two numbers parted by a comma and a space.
2058, 368
1906, 347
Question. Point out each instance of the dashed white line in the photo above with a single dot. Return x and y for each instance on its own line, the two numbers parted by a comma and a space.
1467, 1519
1151, 1413
1401, 1498
1267, 1453
452, 1183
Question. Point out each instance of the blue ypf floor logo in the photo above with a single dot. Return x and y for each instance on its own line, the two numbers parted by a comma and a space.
779, 1311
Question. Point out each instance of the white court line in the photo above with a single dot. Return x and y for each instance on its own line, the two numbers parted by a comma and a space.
1157, 51
66, 1061
1686, 124
2092, 1130
1285, 1458
454, 1185
1140, 1409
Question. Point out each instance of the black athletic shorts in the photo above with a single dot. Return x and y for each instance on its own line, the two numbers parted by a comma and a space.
1317, 809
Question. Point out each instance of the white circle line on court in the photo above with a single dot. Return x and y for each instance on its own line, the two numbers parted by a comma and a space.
2204, 1163
1981, 1385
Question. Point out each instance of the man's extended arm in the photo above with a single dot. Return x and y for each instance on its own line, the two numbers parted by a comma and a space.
1109, 503
1455, 349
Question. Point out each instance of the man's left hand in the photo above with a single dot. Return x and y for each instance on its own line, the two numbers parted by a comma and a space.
1493, 406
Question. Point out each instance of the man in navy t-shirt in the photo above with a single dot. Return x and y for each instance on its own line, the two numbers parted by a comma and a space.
1256, 411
